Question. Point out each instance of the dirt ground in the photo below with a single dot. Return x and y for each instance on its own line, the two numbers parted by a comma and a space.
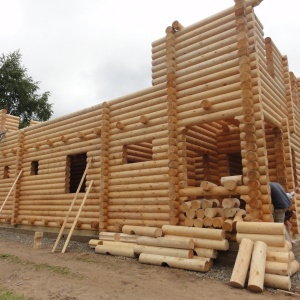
40, 274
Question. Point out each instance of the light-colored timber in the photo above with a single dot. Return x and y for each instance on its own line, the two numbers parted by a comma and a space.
242, 263
190, 157
257, 267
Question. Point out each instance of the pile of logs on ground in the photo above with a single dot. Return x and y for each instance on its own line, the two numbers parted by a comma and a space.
175, 246
264, 258
209, 213
264, 249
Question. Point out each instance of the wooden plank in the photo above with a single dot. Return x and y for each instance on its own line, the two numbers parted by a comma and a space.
76, 219
16, 180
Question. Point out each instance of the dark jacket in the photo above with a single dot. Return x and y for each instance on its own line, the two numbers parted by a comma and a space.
279, 197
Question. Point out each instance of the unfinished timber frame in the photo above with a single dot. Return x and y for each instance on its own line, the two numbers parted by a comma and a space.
222, 103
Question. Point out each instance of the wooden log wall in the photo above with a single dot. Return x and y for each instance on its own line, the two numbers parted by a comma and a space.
45, 192
138, 192
229, 145
12, 122
294, 139
8, 172
8, 122
220, 105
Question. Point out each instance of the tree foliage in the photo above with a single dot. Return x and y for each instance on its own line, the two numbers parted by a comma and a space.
19, 92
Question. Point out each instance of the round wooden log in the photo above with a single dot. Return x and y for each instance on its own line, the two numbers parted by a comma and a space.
139, 186
198, 223
126, 238
294, 267
115, 250
139, 216
116, 244
141, 230
184, 253
277, 256
228, 225
218, 222
207, 222
161, 171
242, 263
209, 253
190, 214
139, 208
214, 234
189, 222
200, 214
238, 179
279, 268
257, 267
213, 212
196, 204
270, 240
174, 262
222, 245
206, 185
230, 202
208, 203
142, 194
278, 281
185, 206
230, 212
218, 190
165, 242
260, 228
286, 248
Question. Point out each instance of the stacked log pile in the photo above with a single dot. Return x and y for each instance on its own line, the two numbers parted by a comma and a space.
175, 246
265, 245
210, 214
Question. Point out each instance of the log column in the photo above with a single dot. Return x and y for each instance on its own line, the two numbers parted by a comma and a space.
269, 56
288, 83
104, 153
2, 118
182, 173
16, 194
280, 157
172, 126
251, 123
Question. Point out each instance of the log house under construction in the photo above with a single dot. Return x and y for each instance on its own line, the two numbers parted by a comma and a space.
223, 105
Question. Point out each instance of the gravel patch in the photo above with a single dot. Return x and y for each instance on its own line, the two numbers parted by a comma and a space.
48, 241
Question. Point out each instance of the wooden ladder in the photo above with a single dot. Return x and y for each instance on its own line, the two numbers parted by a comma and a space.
71, 206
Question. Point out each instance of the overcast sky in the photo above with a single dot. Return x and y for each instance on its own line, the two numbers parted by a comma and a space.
89, 51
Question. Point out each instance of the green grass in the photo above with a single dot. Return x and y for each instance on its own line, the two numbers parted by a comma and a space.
8, 295
44, 266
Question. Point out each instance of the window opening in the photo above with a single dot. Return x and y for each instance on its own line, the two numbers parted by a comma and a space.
6, 172
77, 166
34, 167
235, 163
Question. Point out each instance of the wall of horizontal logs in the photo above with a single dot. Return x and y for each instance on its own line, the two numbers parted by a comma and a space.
223, 103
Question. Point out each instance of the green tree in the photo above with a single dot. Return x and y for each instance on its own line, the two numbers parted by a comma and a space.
19, 92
